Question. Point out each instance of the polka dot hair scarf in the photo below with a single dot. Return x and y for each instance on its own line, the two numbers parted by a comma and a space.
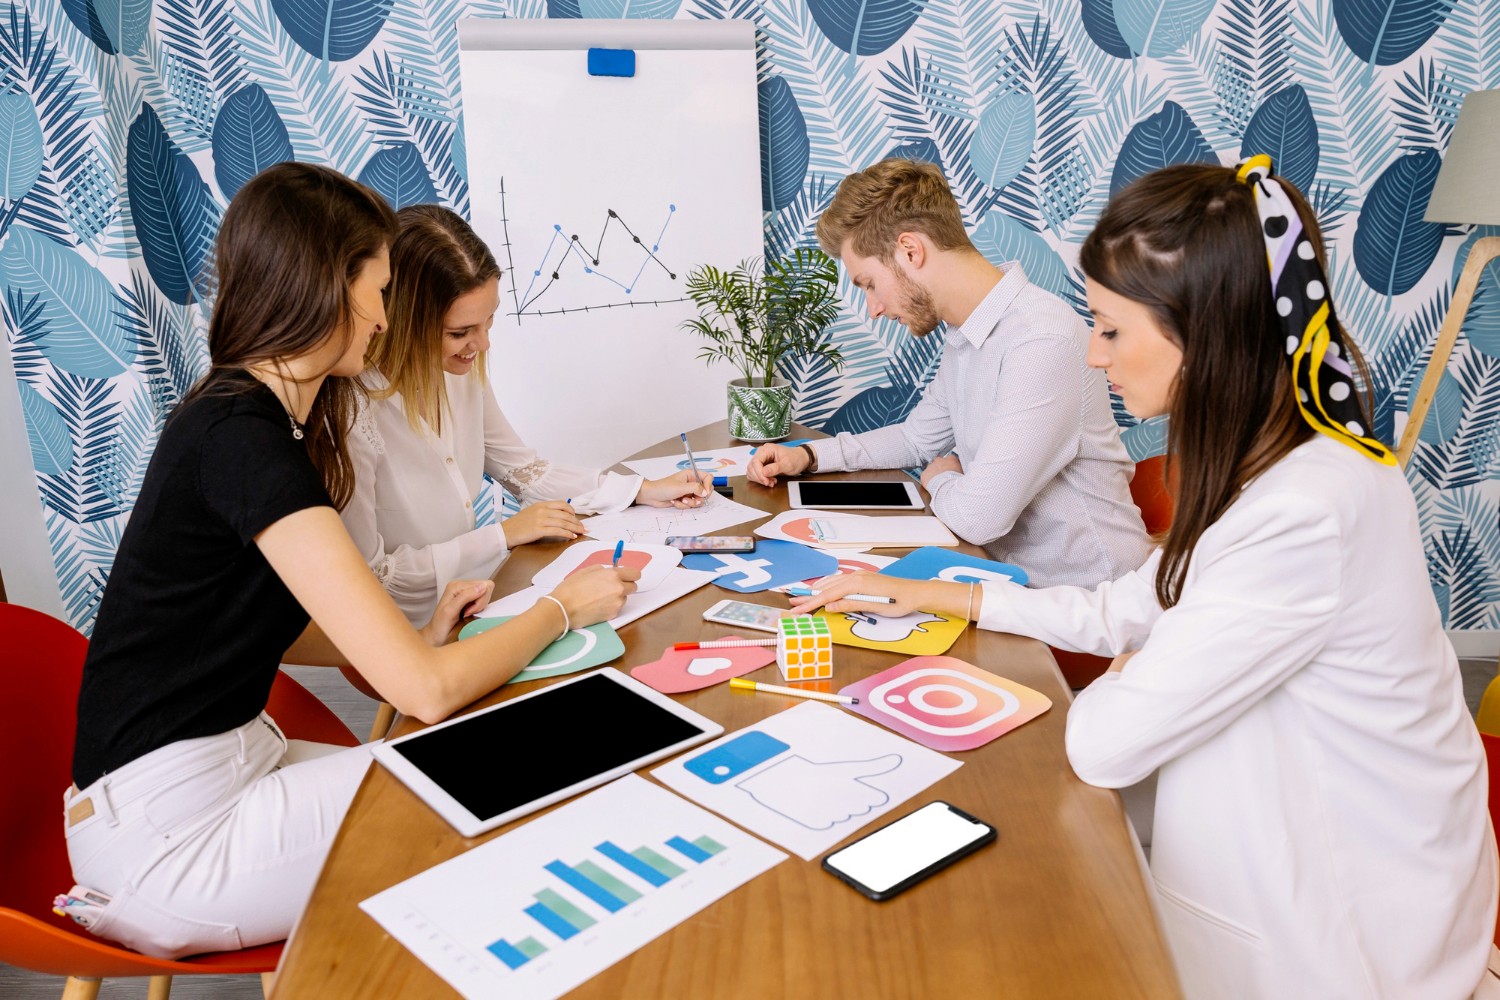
1320, 370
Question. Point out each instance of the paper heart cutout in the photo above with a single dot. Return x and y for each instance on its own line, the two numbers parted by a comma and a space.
678, 671
705, 666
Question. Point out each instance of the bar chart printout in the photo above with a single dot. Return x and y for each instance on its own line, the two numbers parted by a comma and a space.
539, 910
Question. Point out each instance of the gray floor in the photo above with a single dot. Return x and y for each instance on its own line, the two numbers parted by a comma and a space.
359, 713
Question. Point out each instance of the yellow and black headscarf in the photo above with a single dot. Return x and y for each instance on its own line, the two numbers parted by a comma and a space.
1320, 368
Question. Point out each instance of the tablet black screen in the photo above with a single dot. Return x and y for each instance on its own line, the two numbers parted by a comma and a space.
525, 750
817, 494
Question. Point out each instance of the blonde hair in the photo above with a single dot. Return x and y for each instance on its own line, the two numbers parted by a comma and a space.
875, 206
435, 258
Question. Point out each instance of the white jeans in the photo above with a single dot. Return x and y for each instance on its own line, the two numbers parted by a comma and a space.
211, 844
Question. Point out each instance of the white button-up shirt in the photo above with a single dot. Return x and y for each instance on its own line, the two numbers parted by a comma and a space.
1321, 826
1045, 482
412, 513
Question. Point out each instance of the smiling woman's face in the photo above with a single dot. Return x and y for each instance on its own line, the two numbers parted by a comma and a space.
466, 326
1142, 361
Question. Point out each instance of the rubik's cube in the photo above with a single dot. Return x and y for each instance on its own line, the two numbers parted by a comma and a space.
804, 648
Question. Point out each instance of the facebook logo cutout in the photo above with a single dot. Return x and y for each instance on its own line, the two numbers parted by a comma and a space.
932, 563
772, 564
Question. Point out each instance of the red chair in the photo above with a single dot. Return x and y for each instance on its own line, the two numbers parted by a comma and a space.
1151, 493
41, 667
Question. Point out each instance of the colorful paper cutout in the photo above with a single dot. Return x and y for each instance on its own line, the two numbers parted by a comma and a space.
654, 562
681, 670
920, 633
771, 564
796, 526
580, 649
945, 703
858, 563
932, 563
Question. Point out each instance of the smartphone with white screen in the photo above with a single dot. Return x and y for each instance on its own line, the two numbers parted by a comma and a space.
712, 543
845, 494
745, 615
899, 855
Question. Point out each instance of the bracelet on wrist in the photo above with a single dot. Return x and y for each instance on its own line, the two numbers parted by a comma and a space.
812, 459
567, 625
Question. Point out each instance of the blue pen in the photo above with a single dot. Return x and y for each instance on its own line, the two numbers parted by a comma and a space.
803, 591
692, 462
619, 548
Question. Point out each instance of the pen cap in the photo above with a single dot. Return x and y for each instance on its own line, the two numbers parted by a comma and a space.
721, 480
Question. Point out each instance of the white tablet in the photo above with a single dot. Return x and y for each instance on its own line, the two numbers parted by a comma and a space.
491, 766
844, 494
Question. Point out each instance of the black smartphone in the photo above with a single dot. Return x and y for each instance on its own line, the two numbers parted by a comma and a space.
899, 855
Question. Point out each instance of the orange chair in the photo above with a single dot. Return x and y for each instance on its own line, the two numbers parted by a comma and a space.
1153, 496
41, 667
1492, 757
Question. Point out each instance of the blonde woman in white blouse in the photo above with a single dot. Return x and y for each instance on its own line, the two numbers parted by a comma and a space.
431, 428
1320, 822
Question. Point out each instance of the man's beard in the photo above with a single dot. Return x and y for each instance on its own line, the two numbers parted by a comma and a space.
919, 313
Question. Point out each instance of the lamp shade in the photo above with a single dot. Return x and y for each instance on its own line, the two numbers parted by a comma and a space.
1468, 187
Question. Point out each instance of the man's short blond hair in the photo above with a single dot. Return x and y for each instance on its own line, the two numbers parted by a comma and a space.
875, 206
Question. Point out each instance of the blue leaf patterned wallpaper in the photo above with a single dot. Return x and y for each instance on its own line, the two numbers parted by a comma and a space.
130, 124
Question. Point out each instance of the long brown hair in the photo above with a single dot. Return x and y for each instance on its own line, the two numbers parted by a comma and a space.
1186, 243
292, 242
436, 258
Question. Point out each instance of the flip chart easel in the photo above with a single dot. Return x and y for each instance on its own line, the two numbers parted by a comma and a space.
599, 181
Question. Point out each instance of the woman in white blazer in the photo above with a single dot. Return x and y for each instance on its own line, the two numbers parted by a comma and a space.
430, 429
1320, 822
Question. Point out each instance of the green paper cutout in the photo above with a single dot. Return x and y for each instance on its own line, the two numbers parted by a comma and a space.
580, 649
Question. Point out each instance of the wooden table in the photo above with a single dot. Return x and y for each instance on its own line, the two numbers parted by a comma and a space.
1057, 907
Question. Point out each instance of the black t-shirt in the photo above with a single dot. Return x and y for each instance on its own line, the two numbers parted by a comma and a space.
194, 621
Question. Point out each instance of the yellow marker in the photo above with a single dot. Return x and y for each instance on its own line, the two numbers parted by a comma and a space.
740, 682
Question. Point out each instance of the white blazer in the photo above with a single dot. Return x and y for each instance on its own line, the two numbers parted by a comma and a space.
412, 513
1321, 827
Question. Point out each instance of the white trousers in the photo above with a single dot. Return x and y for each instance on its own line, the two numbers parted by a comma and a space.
211, 844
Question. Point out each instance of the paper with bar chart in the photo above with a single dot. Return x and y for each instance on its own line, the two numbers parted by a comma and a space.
539, 910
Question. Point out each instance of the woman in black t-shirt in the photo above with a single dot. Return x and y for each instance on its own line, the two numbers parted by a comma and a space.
198, 826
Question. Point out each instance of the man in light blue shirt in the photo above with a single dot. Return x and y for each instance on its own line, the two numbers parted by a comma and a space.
1021, 451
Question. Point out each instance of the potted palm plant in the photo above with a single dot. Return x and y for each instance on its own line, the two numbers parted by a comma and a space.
757, 314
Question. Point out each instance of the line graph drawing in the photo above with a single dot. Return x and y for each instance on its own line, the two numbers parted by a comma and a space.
568, 262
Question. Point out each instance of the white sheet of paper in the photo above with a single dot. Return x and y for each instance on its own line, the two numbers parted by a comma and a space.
678, 582
488, 921
513, 604
654, 562
721, 462
836, 774
653, 525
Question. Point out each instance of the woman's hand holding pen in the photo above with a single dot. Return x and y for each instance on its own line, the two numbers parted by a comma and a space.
596, 593
682, 490
909, 595
548, 519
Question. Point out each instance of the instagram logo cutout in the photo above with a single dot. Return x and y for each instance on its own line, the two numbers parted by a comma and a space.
945, 703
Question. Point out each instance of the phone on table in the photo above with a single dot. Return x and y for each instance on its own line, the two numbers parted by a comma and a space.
712, 543
743, 614
899, 855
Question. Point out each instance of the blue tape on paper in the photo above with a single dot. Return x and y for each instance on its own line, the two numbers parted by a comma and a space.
611, 62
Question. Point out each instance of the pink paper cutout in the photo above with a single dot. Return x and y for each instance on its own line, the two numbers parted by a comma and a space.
672, 673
